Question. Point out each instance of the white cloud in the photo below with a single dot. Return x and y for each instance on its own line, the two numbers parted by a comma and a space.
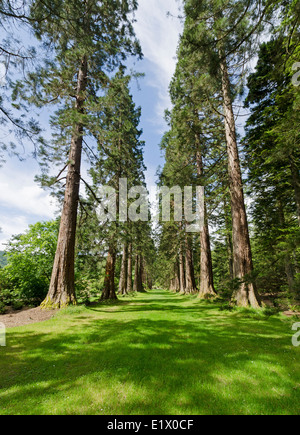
11, 226
159, 37
19, 192
22, 201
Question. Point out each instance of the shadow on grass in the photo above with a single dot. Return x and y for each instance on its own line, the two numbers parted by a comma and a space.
195, 362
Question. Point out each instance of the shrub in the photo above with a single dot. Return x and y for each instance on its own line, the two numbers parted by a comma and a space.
30, 260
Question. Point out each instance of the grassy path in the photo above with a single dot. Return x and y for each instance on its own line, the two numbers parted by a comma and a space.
157, 353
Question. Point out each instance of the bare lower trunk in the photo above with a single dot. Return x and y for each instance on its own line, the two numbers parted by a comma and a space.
228, 241
190, 282
109, 291
124, 270
181, 272
175, 282
207, 288
144, 272
177, 277
136, 274
62, 286
141, 287
246, 294
138, 282
129, 269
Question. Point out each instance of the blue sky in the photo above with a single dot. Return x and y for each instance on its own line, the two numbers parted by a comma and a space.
22, 202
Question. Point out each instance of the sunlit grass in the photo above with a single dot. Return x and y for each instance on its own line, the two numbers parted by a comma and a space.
157, 353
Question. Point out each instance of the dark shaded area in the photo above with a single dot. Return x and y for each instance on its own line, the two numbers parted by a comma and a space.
192, 362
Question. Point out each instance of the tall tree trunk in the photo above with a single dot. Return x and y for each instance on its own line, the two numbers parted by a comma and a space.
138, 282
228, 241
177, 276
109, 291
190, 286
175, 282
296, 185
129, 270
141, 274
62, 285
144, 271
207, 288
181, 271
246, 294
124, 270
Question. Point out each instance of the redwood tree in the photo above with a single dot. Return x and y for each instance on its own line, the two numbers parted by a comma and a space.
223, 33
84, 40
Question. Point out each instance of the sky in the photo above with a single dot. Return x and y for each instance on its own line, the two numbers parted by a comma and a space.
23, 202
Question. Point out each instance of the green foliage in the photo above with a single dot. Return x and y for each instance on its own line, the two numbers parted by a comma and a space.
272, 159
30, 256
3, 260
22, 132
72, 33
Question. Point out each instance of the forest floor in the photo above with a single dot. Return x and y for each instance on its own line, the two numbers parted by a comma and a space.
25, 316
155, 354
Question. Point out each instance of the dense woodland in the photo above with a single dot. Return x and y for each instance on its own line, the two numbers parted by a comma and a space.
233, 127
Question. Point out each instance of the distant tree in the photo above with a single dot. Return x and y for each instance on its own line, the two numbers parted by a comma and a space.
120, 156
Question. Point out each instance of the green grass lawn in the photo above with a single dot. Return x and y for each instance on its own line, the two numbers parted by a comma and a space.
157, 353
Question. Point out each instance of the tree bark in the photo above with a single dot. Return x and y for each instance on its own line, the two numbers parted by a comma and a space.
246, 294
136, 274
190, 286
138, 282
109, 291
144, 271
228, 241
177, 276
124, 271
181, 271
207, 288
62, 285
175, 282
129, 270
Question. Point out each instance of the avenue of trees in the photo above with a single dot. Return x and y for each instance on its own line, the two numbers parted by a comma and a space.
232, 129
203, 145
